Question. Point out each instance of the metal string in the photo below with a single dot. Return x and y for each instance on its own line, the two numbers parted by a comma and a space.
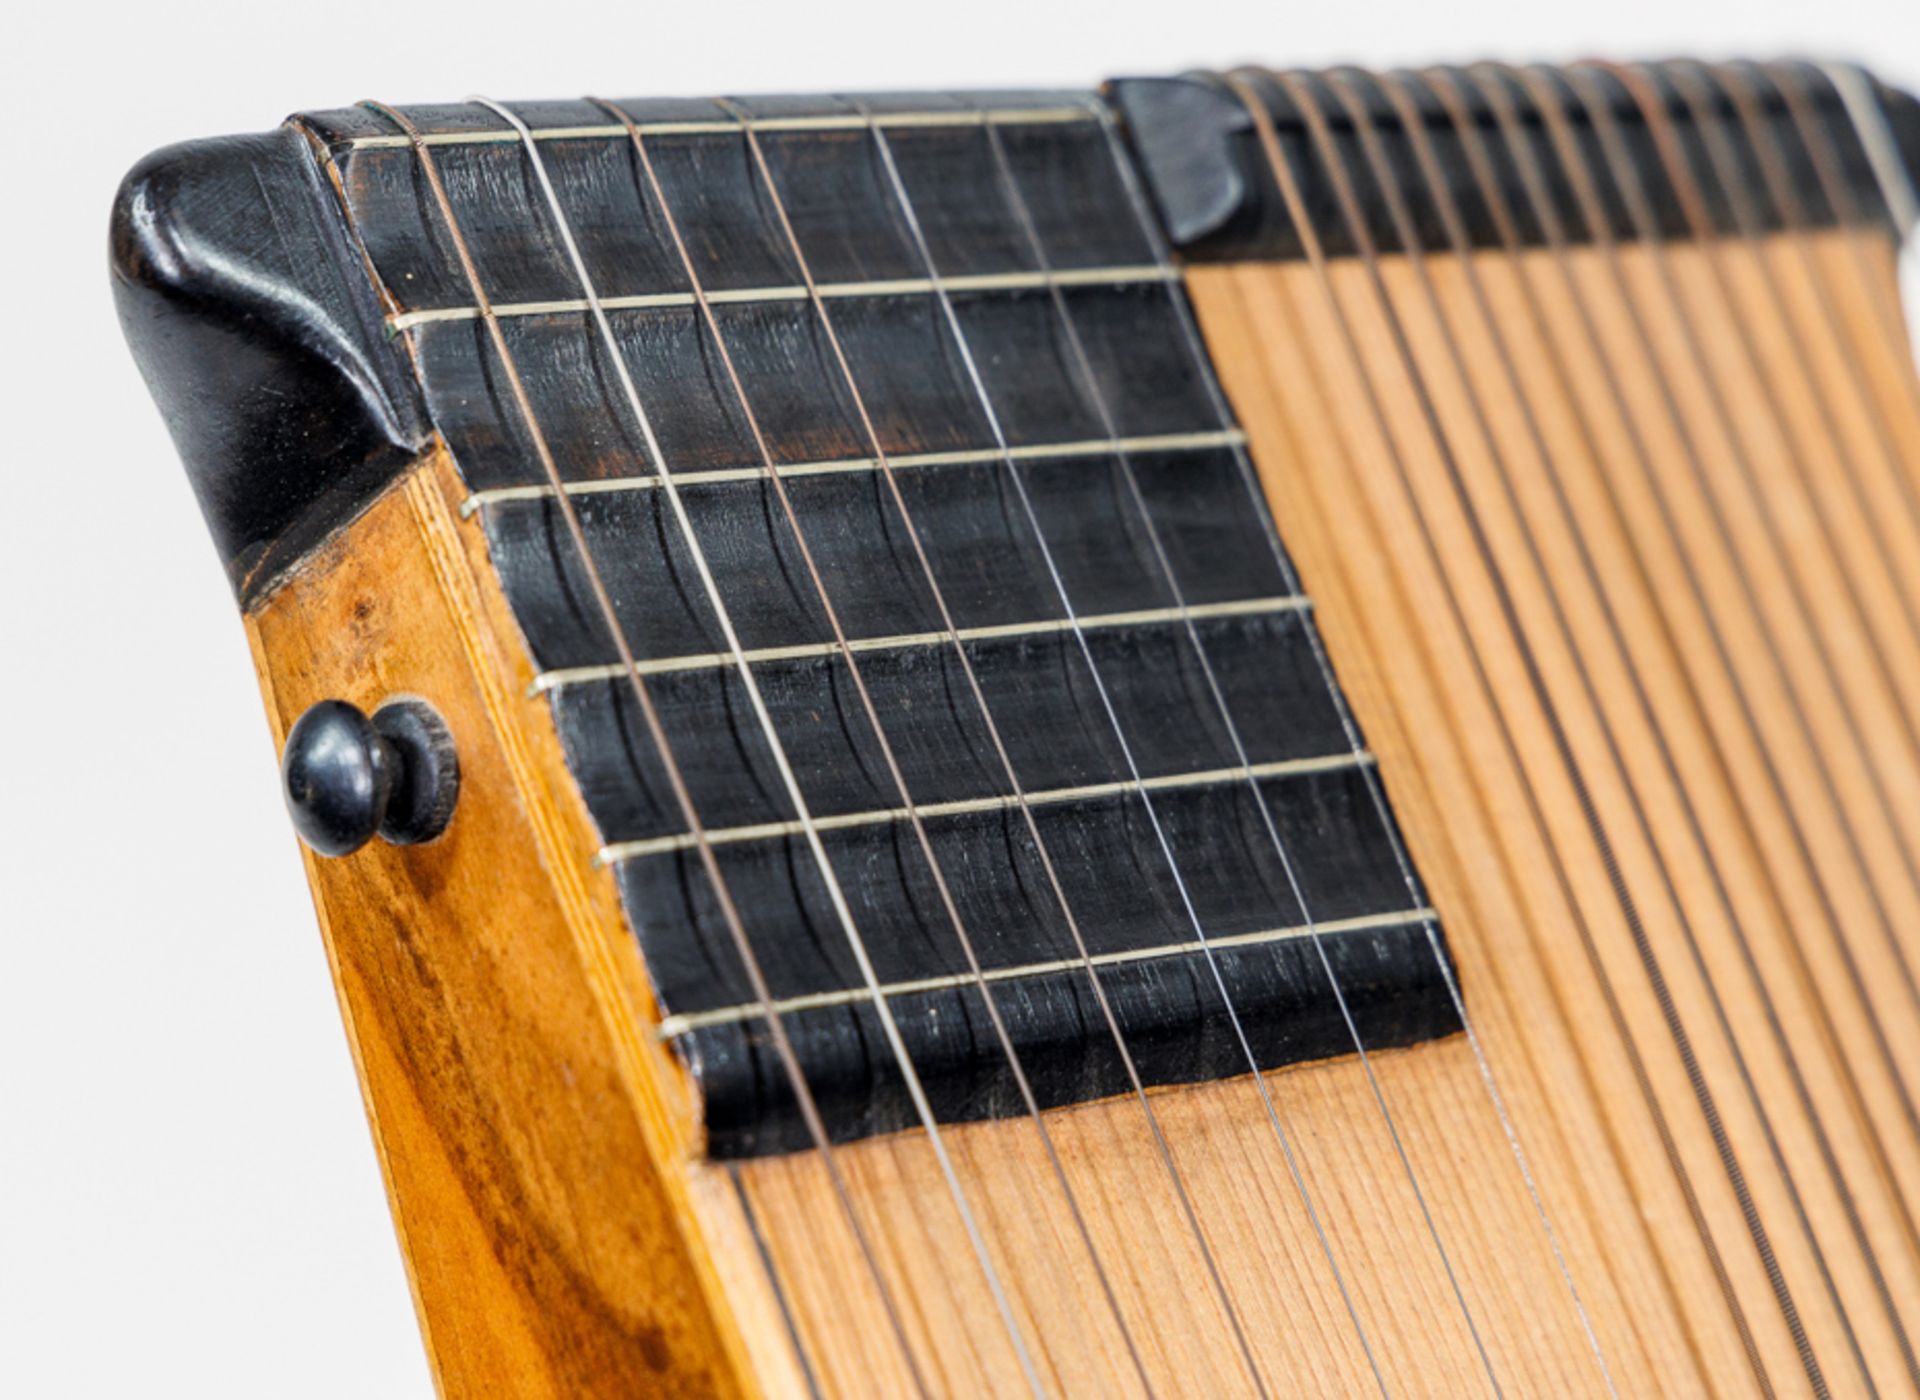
1398, 92
788, 778
1897, 198
1356, 223
1740, 84
1004, 757
1308, 233
873, 717
1696, 94
1690, 192
1626, 177
730, 913
1257, 501
1585, 182
1017, 475
1495, 201
1737, 83
1349, 727
1410, 238
744, 1199
1097, 398
1897, 188
1451, 96
1557, 236
1680, 177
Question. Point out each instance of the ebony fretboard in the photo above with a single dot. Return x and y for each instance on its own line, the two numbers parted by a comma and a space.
1231, 589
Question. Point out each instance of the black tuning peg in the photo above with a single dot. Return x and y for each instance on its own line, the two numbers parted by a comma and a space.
349, 777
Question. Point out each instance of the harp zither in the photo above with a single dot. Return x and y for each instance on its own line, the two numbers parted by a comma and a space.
936, 900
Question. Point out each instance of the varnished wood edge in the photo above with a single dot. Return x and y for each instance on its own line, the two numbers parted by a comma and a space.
732, 1295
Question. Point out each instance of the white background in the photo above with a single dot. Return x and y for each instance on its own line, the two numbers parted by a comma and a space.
188, 1197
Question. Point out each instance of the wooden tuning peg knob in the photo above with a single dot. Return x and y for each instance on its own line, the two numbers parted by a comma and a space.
349, 777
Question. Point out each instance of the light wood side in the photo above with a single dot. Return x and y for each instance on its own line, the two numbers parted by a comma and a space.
531, 1136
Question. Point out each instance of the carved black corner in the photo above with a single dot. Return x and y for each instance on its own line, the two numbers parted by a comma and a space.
257, 328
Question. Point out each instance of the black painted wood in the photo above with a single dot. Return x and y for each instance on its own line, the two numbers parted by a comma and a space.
991, 568
1201, 158
260, 337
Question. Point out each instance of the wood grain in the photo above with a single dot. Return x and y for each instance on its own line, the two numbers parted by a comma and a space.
523, 1125
1655, 668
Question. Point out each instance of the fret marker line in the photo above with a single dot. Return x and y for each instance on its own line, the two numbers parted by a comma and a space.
999, 116
765, 831
737, 296
714, 660
835, 466
672, 1027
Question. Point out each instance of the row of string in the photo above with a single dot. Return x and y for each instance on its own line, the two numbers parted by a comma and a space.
1683, 179
1356, 225
1590, 103
1449, 88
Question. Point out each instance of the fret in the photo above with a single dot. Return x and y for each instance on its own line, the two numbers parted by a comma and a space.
900, 286
920, 399
1122, 894
841, 212
1092, 447
1396, 996
991, 570
896, 121
943, 747
714, 660
672, 1027
767, 831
